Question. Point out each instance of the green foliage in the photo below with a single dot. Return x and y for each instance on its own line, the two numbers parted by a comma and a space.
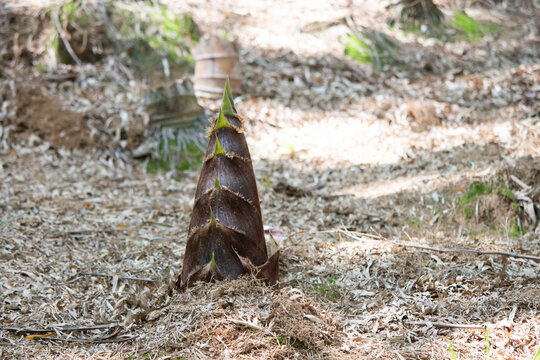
487, 342
498, 187
467, 24
468, 27
70, 11
514, 229
171, 155
487, 347
369, 47
81, 28
537, 354
146, 31
62, 56
452, 350
460, 27
151, 33
329, 290
503, 190
358, 49
476, 189
267, 181
168, 40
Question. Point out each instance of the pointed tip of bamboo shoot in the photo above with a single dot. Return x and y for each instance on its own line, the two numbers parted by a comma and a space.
212, 218
217, 185
218, 149
227, 102
222, 119
228, 91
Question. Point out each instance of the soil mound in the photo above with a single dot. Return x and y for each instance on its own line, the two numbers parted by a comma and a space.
232, 308
44, 116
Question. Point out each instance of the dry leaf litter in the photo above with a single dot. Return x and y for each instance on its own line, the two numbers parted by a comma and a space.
348, 160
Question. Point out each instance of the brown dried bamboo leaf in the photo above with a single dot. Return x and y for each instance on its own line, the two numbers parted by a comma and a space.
269, 271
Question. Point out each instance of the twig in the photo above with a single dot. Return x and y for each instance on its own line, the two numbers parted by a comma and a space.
91, 231
446, 325
245, 323
82, 233
88, 341
442, 250
61, 328
347, 232
119, 277
519, 182
470, 251
60, 77
64, 39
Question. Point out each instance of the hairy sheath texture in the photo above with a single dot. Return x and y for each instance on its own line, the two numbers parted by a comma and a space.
226, 236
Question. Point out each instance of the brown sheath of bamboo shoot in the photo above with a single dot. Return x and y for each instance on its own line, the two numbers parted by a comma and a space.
226, 237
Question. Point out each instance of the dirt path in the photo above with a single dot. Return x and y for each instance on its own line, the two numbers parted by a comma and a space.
348, 162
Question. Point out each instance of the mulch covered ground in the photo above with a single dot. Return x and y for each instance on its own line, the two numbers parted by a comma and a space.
353, 167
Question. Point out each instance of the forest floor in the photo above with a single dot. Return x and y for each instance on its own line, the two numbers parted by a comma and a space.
355, 169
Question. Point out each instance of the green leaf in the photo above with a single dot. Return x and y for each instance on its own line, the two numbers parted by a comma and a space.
476, 189
537, 355
228, 91
222, 119
273, 245
451, 350
218, 149
467, 24
227, 101
487, 342
359, 49
471, 29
